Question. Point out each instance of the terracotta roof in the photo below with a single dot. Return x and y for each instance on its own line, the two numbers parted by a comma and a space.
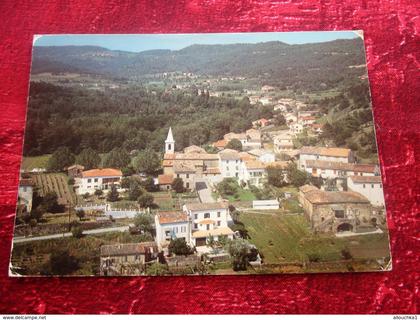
195, 156
324, 197
165, 178
330, 152
184, 166
194, 149
332, 165
212, 171
206, 221
206, 206
307, 188
229, 154
307, 118
254, 164
168, 156
26, 182
106, 172
366, 179
259, 152
220, 143
128, 248
165, 217
246, 156
215, 232
279, 164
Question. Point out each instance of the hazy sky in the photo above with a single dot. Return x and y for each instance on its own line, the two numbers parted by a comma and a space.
137, 43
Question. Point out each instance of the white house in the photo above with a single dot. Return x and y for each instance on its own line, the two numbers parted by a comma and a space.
333, 169
101, 179
171, 225
327, 154
254, 172
369, 186
290, 117
296, 128
25, 193
230, 163
283, 142
208, 219
263, 155
306, 120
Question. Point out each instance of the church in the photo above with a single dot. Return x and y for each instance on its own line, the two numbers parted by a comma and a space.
190, 165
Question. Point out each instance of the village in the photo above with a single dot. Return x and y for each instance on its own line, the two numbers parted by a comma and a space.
256, 201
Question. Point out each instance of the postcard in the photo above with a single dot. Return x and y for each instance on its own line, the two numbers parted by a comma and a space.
199, 154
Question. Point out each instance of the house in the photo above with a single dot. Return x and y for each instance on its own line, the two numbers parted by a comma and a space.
25, 194
260, 123
281, 107
253, 172
324, 153
253, 99
250, 139
335, 211
290, 117
306, 120
266, 100
317, 128
98, 179
283, 142
368, 186
267, 88
208, 220
75, 171
171, 225
333, 169
230, 163
165, 181
126, 258
263, 155
295, 128
220, 144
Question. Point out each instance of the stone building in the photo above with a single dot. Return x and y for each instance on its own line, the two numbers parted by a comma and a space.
335, 211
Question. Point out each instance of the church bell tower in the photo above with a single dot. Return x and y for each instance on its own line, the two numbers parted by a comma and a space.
170, 142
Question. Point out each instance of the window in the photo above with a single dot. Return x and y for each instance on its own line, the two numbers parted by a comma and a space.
218, 223
89, 180
227, 168
95, 180
177, 175
361, 173
236, 175
218, 214
187, 185
188, 175
183, 229
206, 215
169, 146
339, 213
208, 227
196, 216
195, 226
380, 186
167, 233
372, 186
364, 186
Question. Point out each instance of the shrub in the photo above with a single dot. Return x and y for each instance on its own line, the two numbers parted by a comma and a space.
346, 254
77, 232
179, 247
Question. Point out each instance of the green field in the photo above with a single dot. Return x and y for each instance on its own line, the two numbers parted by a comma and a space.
242, 195
288, 238
29, 163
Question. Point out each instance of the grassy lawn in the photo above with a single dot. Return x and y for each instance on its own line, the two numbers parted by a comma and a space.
287, 238
242, 195
30, 163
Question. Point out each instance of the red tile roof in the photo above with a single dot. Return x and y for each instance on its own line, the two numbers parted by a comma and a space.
105, 172
366, 179
165, 178
165, 217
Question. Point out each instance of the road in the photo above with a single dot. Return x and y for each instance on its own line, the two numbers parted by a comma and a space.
204, 191
68, 234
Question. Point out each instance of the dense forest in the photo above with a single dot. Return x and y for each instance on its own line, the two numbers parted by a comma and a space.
314, 66
132, 118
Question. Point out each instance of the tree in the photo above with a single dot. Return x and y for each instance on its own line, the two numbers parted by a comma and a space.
50, 202
80, 214
77, 231
178, 185
179, 247
145, 200
239, 249
279, 120
62, 263
143, 222
295, 176
234, 144
147, 161
117, 158
228, 186
98, 192
149, 184
275, 176
157, 269
113, 194
60, 159
135, 191
88, 158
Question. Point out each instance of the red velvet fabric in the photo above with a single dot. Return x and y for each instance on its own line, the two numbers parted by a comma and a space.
392, 40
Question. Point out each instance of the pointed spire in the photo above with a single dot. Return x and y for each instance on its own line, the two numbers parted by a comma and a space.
170, 137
